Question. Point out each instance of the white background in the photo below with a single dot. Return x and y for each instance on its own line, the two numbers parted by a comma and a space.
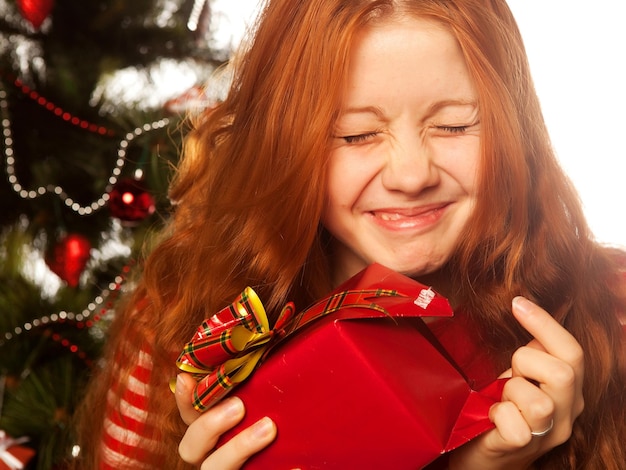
577, 54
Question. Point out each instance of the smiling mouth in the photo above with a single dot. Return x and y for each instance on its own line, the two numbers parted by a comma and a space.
399, 214
409, 218
390, 216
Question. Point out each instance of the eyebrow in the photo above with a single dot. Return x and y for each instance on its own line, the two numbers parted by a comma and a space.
364, 110
435, 107
432, 109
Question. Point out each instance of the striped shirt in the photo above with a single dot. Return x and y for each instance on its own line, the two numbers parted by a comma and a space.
126, 441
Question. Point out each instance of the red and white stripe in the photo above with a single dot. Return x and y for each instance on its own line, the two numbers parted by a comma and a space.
126, 441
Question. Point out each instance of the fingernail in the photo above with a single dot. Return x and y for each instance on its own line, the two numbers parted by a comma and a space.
522, 304
263, 428
232, 407
181, 386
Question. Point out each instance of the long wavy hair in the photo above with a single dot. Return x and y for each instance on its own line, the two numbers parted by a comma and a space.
250, 191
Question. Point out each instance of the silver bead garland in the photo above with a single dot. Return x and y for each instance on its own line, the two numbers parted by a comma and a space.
196, 12
88, 209
62, 316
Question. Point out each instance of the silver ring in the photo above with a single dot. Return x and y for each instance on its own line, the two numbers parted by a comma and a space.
545, 431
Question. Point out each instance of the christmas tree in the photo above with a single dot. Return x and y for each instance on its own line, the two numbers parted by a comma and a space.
92, 103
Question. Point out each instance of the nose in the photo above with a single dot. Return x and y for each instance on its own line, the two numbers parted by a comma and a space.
409, 167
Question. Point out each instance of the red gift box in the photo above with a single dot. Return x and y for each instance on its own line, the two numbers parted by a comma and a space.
14, 456
366, 386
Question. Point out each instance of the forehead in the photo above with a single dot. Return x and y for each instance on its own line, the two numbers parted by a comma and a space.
407, 58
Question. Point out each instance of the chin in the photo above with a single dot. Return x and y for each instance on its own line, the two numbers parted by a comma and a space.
416, 267
410, 270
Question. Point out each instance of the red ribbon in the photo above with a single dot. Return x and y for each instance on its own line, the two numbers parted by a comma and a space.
228, 346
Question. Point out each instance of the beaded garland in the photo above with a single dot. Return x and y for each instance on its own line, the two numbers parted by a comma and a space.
60, 112
123, 145
196, 12
102, 303
93, 313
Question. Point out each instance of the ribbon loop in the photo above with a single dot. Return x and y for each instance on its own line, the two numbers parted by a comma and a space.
226, 347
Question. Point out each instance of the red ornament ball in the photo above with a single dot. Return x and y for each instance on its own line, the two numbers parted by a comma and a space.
69, 257
35, 11
130, 202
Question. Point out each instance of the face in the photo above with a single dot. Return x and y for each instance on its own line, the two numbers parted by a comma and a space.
402, 174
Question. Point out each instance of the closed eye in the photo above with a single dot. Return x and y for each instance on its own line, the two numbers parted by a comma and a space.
453, 129
358, 138
456, 129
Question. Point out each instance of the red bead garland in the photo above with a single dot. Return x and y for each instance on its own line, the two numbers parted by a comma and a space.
60, 112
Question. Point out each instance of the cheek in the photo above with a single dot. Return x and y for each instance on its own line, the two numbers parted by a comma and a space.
467, 177
334, 194
333, 190
347, 179
462, 162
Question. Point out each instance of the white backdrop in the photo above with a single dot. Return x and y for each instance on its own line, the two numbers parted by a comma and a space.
577, 54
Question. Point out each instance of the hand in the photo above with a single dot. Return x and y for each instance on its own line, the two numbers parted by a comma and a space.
204, 430
544, 392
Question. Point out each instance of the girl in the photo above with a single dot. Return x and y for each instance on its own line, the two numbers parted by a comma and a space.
403, 132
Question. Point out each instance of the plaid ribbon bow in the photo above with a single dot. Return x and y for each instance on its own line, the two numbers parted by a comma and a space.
227, 347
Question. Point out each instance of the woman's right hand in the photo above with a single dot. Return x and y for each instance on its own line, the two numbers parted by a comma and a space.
198, 444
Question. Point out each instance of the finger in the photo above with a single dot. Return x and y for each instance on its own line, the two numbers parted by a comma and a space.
511, 432
543, 368
184, 398
202, 435
556, 340
554, 377
536, 407
549, 337
233, 454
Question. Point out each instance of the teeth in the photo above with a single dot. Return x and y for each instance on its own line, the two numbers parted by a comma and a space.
387, 216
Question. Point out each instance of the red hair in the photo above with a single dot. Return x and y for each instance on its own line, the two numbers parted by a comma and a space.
250, 191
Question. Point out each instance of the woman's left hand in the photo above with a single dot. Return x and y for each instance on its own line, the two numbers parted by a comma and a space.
540, 401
